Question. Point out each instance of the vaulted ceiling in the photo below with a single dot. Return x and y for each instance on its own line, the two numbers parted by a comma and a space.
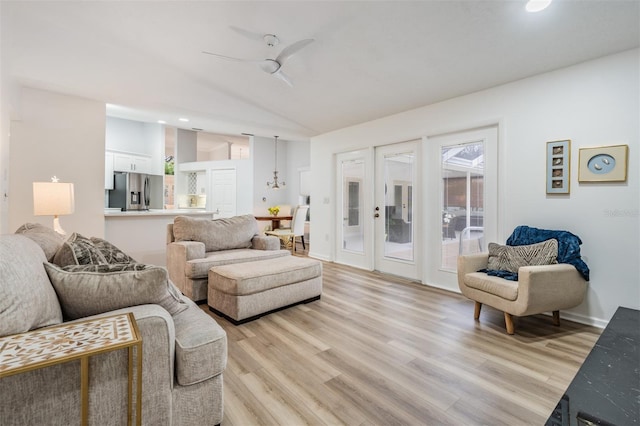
368, 60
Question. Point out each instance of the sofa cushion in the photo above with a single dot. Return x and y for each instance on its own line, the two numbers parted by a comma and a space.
257, 277
201, 346
494, 285
101, 288
111, 253
78, 250
511, 258
199, 268
27, 300
218, 234
48, 239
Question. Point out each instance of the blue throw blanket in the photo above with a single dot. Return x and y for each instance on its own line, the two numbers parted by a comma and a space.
568, 248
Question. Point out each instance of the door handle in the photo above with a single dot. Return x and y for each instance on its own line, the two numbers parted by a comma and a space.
376, 215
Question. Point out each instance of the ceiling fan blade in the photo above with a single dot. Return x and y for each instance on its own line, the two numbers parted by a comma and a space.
246, 33
229, 58
290, 50
282, 76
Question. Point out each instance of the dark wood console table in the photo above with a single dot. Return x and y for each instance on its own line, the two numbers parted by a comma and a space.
606, 389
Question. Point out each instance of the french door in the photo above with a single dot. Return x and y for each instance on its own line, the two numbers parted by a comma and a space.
354, 224
396, 219
377, 209
463, 178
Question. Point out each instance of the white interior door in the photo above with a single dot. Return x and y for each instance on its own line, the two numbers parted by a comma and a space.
396, 213
354, 218
223, 190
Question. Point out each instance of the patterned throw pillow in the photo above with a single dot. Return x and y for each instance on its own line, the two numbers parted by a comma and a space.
511, 258
111, 253
78, 250
85, 290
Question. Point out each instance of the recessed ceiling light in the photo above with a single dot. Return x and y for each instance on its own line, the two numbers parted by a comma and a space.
537, 5
184, 119
162, 122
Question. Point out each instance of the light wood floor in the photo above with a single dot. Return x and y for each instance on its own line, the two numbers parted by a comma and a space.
378, 350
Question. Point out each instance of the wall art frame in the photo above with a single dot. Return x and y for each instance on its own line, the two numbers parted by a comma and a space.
603, 164
559, 167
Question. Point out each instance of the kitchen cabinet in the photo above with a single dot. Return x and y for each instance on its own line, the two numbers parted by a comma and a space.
108, 170
131, 163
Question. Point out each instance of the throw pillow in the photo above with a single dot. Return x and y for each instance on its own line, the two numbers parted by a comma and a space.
27, 300
95, 289
218, 234
111, 253
511, 258
78, 250
48, 239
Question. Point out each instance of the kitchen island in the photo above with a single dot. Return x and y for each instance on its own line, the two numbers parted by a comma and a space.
143, 234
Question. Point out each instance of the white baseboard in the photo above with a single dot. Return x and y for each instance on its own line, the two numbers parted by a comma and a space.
319, 256
568, 315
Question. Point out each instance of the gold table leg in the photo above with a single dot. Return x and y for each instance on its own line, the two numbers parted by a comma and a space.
84, 390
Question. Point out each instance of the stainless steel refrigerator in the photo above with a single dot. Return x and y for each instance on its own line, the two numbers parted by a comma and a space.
131, 191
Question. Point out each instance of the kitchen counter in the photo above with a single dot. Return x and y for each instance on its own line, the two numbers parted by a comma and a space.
158, 212
143, 234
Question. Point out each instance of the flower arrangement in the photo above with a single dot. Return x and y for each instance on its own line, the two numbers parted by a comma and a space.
274, 210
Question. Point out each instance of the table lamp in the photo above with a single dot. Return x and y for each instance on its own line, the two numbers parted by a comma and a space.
53, 199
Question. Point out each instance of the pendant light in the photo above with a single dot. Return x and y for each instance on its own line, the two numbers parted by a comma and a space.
275, 184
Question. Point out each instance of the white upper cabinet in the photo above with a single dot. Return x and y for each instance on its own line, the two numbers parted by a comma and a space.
136, 146
123, 162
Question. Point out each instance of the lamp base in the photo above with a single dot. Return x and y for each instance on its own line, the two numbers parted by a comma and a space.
57, 227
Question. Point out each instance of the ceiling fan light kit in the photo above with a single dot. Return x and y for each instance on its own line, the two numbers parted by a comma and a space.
268, 65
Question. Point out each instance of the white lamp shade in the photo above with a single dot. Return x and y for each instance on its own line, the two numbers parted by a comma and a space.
52, 198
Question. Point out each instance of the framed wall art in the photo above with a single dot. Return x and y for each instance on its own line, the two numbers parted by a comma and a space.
558, 167
603, 164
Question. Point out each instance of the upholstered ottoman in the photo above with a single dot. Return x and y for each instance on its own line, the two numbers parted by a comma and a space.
246, 291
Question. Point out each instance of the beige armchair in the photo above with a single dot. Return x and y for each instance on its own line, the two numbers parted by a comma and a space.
542, 288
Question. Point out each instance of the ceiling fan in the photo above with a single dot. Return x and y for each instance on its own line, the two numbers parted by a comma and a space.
272, 66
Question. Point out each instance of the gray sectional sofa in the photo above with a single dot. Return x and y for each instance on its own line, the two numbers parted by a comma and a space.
184, 349
194, 246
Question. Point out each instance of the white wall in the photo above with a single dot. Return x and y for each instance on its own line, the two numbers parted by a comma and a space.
297, 158
64, 136
292, 156
593, 104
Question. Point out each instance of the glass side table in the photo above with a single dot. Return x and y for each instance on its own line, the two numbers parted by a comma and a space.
66, 342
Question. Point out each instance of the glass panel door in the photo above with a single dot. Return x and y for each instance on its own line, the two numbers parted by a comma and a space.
354, 220
396, 178
462, 171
